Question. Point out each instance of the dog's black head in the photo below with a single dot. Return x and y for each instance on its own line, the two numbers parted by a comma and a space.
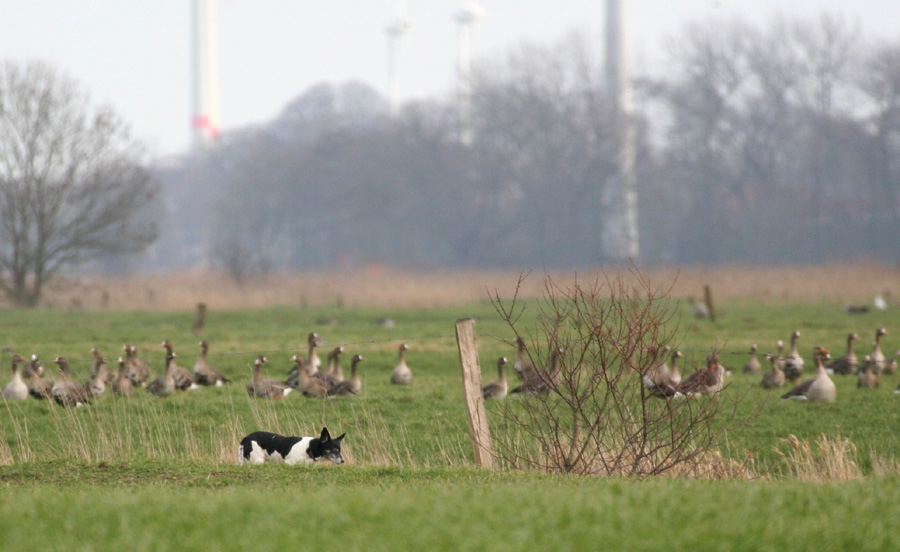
330, 448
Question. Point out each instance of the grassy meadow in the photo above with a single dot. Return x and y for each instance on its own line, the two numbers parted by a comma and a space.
161, 474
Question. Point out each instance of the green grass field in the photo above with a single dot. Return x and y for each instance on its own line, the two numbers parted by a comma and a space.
161, 474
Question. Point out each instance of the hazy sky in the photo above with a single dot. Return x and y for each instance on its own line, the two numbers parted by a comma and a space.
135, 55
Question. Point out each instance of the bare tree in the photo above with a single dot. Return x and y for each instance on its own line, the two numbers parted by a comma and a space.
72, 184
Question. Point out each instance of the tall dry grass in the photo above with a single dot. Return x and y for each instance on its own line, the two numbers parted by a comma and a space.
409, 289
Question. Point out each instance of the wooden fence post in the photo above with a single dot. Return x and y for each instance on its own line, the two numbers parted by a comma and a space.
471, 376
707, 296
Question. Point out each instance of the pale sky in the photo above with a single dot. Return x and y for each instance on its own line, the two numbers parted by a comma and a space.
135, 54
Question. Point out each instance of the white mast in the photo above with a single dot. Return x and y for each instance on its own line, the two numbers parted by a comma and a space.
620, 235
466, 19
205, 122
395, 31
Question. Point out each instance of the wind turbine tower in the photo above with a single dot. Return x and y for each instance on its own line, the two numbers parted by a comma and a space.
466, 19
395, 31
620, 236
205, 122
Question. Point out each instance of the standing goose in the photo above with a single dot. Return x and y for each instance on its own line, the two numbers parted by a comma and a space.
779, 358
312, 358
266, 388
164, 385
16, 390
542, 382
662, 381
121, 385
793, 364
867, 376
136, 369
184, 381
334, 374
892, 365
705, 382
38, 387
848, 363
819, 388
877, 356
402, 375
95, 366
497, 389
773, 378
308, 385
752, 366
524, 368
206, 374
65, 391
351, 386
96, 386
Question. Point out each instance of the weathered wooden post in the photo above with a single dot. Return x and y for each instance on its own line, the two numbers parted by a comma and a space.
707, 296
471, 376
201, 318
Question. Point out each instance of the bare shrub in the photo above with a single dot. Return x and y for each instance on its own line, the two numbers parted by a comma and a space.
596, 416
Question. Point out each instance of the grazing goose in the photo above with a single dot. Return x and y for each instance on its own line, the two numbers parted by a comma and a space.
164, 385
773, 378
705, 382
184, 381
16, 390
266, 388
524, 368
136, 369
65, 391
206, 374
848, 363
38, 387
121, 385
96, 386
334, 374
793, 364
867, 376
542, 382
752, 366
497, 389
877, 356
308, 385
351, 386
402, 375
819, 388
95, 366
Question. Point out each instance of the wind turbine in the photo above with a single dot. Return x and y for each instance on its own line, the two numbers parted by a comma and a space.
395, 31
470, 14
620, 234
205, 123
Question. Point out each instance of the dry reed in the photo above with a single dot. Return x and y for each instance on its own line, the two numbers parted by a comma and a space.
828, 459
394, 289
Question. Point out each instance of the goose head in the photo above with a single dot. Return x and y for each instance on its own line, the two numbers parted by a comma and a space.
63, 364
753, 349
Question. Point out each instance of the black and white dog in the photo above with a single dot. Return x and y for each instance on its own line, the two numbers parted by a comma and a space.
262, 446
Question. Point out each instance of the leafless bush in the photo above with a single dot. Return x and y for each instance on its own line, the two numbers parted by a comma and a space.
597, 417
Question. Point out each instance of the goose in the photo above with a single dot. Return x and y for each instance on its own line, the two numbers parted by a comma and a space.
38, 387
136, 369
705, 382
308, 385
96, 386
773, 378
867, 376
779, 358
121, 385
184, 381
312, 341
65, 391
752, 366
351, 386
793, 364
402, 375
497, 389
540, 383
819, 388
848, 363
660, 380
205, 374
310, 364
524, 368
95, 367
164, 385
334, 374
33, 367
892, 365
16, 390
266, 388
877, 356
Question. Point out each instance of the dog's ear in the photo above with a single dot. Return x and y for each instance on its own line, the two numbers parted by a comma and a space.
341, 437
325, 435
